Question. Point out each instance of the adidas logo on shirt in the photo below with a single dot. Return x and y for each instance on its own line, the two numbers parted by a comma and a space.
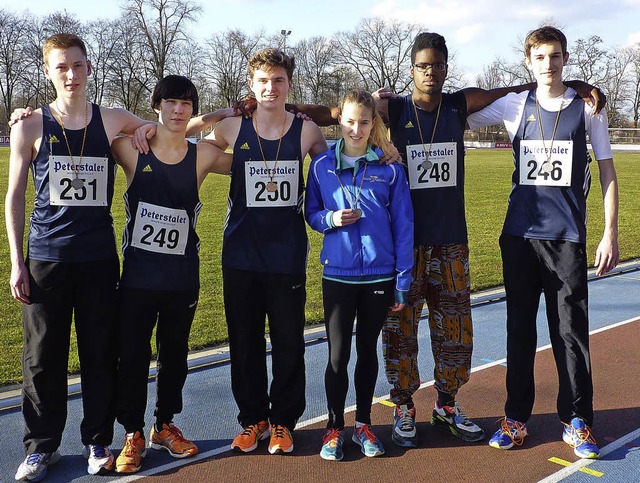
54, 139
531, 118
245, 146
408, 125
147, 169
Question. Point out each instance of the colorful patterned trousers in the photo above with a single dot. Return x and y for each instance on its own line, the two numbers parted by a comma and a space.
441, 277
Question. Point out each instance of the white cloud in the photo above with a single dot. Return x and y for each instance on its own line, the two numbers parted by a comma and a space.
469, 33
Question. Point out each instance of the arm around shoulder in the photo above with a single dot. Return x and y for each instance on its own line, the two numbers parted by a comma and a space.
321, 115
478, 99
120, 121
200, 123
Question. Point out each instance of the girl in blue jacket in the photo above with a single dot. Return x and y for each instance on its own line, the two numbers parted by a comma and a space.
363, 208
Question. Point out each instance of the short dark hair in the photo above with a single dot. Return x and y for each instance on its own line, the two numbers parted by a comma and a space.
544, 35
175, 87
429, 40
268, 59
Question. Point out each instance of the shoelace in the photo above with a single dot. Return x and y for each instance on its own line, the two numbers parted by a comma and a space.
130, 447
99, 451
513, 429
252, 428
584, 435
35, 458
406, 419
457, 409
176, 433
332, 436
279, 431
366, 429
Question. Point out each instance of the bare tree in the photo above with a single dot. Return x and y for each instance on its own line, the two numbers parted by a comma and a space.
35, 88
588, 61
128, 79
163, 24
618, 83
634, 80
380, 52
226, 63
102, 39
315, 61
12, 62
62, 22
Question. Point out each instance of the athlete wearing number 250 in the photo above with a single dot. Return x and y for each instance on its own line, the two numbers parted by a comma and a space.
264, 254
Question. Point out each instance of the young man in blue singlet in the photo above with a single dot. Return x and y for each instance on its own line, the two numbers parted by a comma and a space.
264, 254
544, 235
160, 238
71, 270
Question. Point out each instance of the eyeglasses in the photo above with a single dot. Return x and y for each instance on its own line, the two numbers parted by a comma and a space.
436, 67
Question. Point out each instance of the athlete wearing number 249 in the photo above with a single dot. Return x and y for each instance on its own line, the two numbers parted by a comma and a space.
160, 278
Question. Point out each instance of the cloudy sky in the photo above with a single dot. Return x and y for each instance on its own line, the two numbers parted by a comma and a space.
476, 30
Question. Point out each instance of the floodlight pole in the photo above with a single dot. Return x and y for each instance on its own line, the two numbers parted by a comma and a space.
285, 33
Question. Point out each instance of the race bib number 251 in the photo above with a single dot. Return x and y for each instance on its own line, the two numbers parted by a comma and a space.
86, 188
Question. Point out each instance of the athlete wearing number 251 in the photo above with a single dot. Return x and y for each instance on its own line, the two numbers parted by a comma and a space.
71, 269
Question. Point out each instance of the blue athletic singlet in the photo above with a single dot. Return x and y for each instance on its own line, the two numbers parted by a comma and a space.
550, 203
265, 230
437, 189
160, 245
69, 224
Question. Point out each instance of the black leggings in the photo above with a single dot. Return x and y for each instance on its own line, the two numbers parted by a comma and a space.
342, 303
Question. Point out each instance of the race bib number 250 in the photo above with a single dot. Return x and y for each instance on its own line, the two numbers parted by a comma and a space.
271, 186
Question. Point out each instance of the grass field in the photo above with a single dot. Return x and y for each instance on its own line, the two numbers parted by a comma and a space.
488, 185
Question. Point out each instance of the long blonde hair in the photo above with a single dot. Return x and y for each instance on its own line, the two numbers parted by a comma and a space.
379, 135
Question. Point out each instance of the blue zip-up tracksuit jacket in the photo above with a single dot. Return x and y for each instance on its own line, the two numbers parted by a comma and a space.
381, 241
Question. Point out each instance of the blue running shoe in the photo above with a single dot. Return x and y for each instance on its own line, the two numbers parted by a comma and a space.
404, 427
578, 436
511, 433
368, 442
332, 442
